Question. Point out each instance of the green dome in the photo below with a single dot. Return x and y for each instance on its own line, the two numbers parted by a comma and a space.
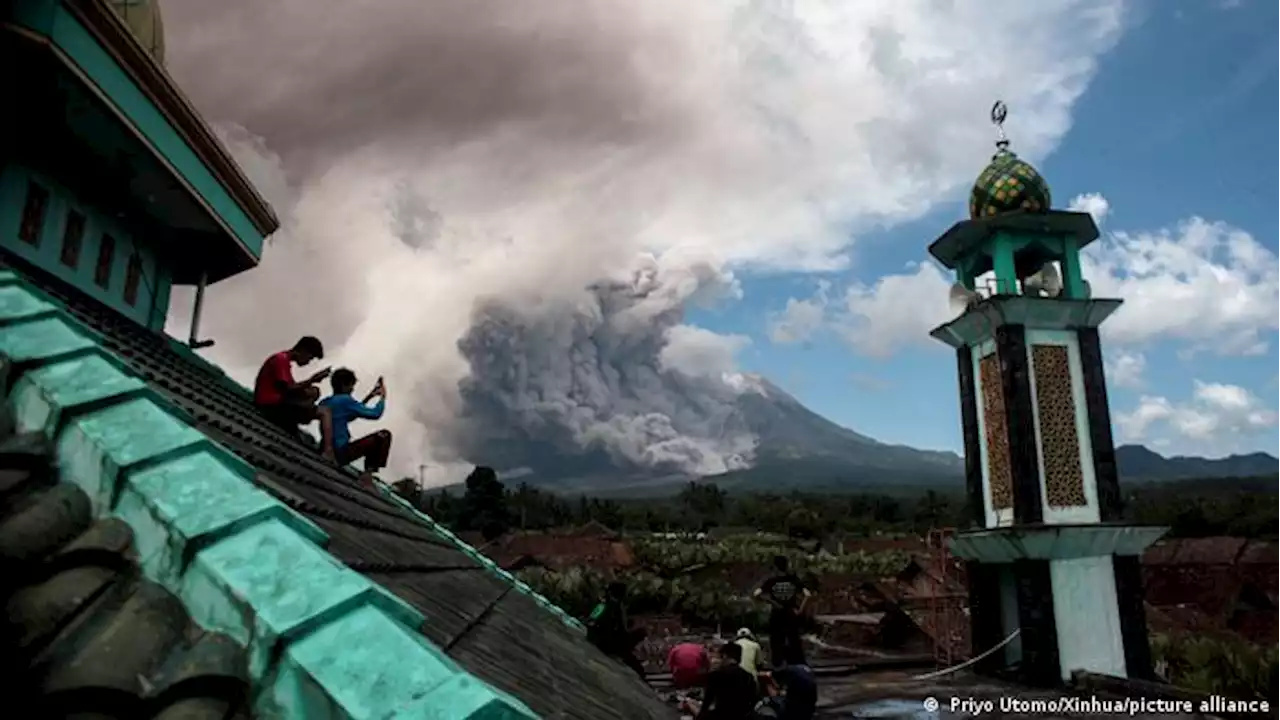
1007, 185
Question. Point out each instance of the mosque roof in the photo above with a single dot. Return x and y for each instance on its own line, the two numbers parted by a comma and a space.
71, 587
491, 626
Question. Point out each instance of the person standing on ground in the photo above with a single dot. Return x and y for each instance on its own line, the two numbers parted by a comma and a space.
731, 690
375, 447
787, 595
609, 630
288, 403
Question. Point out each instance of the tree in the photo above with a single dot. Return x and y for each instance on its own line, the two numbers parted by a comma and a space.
484, 504
407, 488
704, 500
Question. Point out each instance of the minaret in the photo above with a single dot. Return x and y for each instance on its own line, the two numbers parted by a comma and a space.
1047, 553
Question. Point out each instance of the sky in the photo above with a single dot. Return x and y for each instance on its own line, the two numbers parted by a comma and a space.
1170, 147
598, 223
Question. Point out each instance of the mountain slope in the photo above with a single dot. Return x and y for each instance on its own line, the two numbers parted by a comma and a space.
797, 448
801, 450
1138, 463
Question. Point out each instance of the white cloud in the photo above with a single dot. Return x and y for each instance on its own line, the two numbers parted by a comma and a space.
800, 319
875, 320
1207, 284
433, 154
1217, 420
1125, 369
895, 312
1094, 204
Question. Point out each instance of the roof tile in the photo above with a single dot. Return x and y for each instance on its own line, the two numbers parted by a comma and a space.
378, 535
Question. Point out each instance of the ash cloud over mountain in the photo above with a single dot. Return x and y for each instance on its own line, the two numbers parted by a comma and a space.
615, 371
503, 207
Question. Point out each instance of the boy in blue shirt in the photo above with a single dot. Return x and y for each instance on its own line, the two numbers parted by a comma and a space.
375, 447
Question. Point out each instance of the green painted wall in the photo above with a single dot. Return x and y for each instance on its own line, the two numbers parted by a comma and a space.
49, 18
152, 301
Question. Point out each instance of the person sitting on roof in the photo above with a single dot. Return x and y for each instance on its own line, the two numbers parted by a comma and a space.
289, 403
374, 447
689, 664
608, 629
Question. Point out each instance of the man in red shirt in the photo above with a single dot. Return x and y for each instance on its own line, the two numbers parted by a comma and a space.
689, 664
289, 403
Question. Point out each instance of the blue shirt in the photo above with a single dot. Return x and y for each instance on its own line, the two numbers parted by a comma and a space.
345, 409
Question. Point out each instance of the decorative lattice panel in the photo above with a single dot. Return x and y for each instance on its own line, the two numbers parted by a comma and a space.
996, 426
1059, 442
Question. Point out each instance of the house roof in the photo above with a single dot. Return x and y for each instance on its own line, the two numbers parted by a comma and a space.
1211, 551
480, 619
559, 551
72, 590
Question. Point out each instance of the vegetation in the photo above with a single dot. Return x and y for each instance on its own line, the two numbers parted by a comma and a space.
1231, 668
698, 507
698, 603
676, 571
673, 556
1243, 507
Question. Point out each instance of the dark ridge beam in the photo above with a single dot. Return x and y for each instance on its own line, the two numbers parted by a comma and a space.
479, 618
1015, 371
975, 498
1098, 409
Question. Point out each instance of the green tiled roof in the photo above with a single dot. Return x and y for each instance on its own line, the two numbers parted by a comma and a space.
242, 563
263, 541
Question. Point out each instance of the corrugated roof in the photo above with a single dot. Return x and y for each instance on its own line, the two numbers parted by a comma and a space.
85, 634
481, 620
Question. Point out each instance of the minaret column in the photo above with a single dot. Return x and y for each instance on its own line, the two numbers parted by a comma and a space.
1051, 564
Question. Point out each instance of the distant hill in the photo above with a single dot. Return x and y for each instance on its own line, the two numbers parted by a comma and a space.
1138, 463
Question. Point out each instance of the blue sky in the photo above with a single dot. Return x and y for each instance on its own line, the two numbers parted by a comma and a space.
1178, 122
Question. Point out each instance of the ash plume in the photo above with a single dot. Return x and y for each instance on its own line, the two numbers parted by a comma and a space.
456, 176
614, 371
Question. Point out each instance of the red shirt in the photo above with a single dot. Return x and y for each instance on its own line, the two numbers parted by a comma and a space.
276, 373
688, 663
